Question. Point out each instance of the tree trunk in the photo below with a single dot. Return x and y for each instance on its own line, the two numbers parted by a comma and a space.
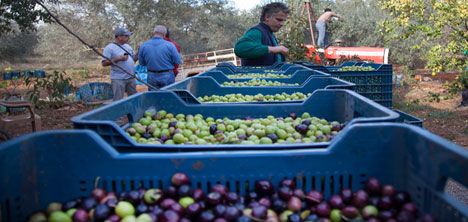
464, 97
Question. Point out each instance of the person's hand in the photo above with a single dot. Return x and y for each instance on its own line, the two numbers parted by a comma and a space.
122, 58
278, 50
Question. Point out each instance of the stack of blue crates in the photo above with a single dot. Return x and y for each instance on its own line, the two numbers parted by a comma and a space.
375, 85
373, 143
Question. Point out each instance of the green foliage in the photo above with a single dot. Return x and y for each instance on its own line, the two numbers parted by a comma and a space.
23, 13
10, 50
293, 36
442, 23
54, 86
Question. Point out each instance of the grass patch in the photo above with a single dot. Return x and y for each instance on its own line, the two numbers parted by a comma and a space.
409, 106
442, 114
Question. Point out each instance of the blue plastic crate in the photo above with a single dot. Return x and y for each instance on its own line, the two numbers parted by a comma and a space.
56, 166
6, 76
299, 76
15, 74
410, 119
376, 85
96, 91
28, 73
333, 105
39, 74
190, 89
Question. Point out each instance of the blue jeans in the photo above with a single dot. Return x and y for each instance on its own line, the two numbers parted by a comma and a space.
160, 80
322, 40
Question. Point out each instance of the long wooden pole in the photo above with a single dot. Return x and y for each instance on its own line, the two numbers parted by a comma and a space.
92, 47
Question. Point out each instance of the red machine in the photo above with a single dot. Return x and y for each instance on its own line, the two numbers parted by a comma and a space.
368, 54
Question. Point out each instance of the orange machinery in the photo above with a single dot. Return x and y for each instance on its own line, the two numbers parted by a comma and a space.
374, 54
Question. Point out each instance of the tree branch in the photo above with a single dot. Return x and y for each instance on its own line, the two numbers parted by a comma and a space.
92, 47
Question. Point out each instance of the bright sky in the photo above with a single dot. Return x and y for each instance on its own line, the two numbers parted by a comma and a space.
246, 4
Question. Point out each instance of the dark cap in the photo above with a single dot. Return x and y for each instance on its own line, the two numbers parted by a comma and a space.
122, 31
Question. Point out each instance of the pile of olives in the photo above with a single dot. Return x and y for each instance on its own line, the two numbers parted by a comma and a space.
238, 97
167, 128
257, 75
257, 82
356, 68
180, 202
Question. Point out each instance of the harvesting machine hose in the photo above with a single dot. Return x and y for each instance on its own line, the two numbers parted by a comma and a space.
92, 47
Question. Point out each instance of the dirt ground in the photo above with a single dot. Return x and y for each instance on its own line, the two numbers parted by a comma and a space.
411, 97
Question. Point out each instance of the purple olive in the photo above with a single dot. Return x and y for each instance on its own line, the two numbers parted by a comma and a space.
221, 189
179, 179
373, 186
294, 204
219, 210
173, 124
288, 183
401, 198
213, 198
360, 198
264, 187
220, 220
231, 213
88, 203
388, 190
385, 202
193, 209
323, 209
302, 129
306, 122
207, 216
242, 137
336, 127
198, 194
374, 201
185, 190
293, 115
163, 138
385, 215
232, 198
410, 207
213, 128
350, 212
347, 195
273, 137
314, 197
284, 193
171, 191
112, 218
168, 216
278, 205
166, 203
298, 193
260, 212
252, 196
141, 209
265, 202
178, 208
336, 201
98, 194
80, 215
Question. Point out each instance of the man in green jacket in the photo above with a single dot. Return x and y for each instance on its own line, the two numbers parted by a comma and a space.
259, 47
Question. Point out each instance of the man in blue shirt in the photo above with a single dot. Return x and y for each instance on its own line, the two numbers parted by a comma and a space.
159, 56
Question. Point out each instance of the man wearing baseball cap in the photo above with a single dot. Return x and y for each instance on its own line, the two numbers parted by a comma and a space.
123, 55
